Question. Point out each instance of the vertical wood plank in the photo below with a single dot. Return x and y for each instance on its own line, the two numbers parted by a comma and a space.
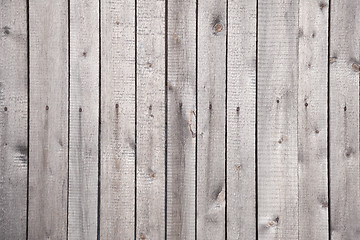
117, 206
13, 119
181, 140
84, 119
48, 159
277, 119
150, 161
344, 119
312, 119
241, 90
211, 119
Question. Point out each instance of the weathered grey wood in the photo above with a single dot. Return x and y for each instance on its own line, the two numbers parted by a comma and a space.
84, 119
181, 139
277, 119
13, 119
48, 159
117, 212
211, 117
241, 97
344, 120
150, 149
312, 119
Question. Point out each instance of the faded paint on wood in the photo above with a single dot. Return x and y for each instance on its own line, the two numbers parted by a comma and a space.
241, 97
84, 119
181, 133
211, 115
117, 205
344, 120
13, 119
277, 119
150, 102
312, 120
48, 159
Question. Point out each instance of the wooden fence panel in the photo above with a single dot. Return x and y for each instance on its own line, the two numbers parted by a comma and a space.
151, 109
13, 119
344, 119
117, 199
181, 132
241, 122
84, 119
277, 119
312, 120
48, 158
211, 115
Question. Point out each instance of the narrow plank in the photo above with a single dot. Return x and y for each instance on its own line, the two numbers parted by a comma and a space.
312, 119
241, 97
48, 159
277, 119
181, 139
211, 115
344, 120
13, 119
150, 161
84, 119
117, 206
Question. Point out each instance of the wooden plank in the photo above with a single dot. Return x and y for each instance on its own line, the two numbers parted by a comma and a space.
48, 159
344, 120
211, 119
13, 119
150, 161
277, 119
117, 207
241, 97
84, 119
181, 138
312, 120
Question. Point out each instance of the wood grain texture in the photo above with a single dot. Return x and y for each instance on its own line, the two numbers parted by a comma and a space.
84, 119
181, 138
48, 159
150, 148
277, 119
241, 97
117, 206
13, 119
211, 119
312, 119
344, 119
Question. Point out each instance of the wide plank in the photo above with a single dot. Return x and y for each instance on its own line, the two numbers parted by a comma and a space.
117, 205
277, 119
181, 132
312, 119
48, 158
241, 101
84, 119
344, 119
211, 117
13, 119
150, 111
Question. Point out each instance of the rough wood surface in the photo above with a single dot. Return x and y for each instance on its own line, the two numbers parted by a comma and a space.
241, 96
181, 138
117, 205
211, 115
84, 119
277, 119
13, 119
312, 119
48, 159
344, 119
150, 102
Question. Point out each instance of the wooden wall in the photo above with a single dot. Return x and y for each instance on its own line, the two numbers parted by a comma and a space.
179, 119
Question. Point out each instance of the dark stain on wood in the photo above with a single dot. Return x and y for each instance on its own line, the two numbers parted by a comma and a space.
22, 155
